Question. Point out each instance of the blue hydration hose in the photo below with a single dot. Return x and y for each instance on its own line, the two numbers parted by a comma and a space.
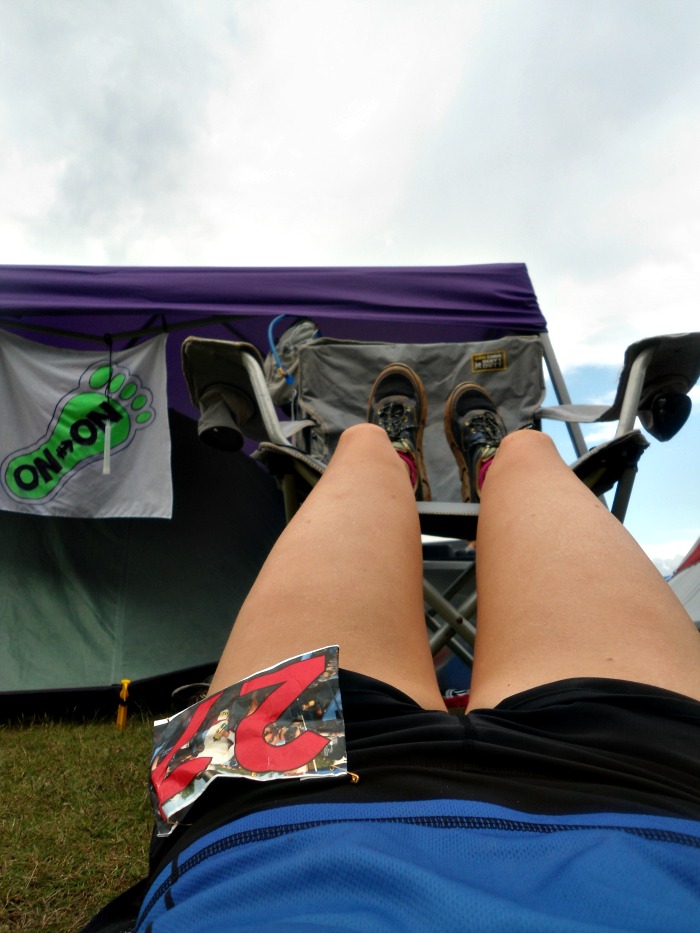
288, 378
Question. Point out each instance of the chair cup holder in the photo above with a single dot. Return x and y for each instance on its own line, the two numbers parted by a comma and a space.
666, 415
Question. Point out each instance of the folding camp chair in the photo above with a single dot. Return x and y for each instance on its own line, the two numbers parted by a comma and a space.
331, 385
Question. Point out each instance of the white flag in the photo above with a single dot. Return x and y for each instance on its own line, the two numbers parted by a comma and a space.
83, 433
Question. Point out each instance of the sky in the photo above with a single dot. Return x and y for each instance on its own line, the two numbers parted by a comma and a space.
559, 133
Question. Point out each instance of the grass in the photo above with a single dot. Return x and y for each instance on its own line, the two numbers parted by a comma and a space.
74, 819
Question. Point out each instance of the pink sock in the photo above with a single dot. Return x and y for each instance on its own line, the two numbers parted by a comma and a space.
483, 469
411, 466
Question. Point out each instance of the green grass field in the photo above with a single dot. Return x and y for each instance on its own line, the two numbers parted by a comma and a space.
74, 819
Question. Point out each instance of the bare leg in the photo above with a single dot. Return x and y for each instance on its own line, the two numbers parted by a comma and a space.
347, 570
564, 590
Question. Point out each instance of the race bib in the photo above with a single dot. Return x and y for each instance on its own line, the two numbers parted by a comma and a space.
283, 722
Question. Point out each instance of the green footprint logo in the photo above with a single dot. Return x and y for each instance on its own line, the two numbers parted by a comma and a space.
105, 396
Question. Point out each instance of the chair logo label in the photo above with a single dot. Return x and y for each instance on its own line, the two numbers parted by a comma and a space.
490, 362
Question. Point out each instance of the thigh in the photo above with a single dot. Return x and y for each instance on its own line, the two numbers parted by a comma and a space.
564, 590
347, 570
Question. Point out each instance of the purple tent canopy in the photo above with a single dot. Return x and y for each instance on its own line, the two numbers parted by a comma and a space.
101, 599
71, 304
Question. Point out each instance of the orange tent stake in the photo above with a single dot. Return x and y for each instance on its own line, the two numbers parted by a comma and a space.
121, 709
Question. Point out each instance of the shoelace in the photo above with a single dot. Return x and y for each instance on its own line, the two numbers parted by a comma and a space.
393, 418
487, 425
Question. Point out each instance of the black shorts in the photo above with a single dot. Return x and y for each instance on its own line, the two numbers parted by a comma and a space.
579, 745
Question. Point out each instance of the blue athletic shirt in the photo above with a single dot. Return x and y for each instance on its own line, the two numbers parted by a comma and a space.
436, 865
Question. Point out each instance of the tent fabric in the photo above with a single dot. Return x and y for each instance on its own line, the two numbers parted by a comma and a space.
686, 586
86, 602
493, 296
685, 582
434, 304
692, 557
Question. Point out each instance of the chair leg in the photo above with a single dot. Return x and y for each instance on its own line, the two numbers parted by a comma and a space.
623, 493
457, 621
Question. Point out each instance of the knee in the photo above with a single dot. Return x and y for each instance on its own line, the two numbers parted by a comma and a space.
363, 435
362, 431
364, 443
521, 441
525, 444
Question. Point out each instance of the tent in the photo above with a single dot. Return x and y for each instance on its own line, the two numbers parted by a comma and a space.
685, 582
87, 602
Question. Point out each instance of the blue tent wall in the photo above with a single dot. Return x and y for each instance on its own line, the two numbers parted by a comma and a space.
84, 603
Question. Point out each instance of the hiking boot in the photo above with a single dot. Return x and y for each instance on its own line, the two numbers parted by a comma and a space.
398, 404
474, 430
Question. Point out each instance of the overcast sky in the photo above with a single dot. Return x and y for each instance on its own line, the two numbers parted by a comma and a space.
561, 133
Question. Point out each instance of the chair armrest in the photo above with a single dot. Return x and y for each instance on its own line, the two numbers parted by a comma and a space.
603, 465
576, 414
658, 373
209, 362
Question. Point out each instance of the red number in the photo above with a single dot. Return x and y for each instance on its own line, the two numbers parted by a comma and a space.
180, 777
252, 751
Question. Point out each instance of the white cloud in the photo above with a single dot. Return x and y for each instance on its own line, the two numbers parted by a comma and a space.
310, 143
383, 132
262, 133
599, 433
592, 322
656, 215
27, 185
103, 99
378, 131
